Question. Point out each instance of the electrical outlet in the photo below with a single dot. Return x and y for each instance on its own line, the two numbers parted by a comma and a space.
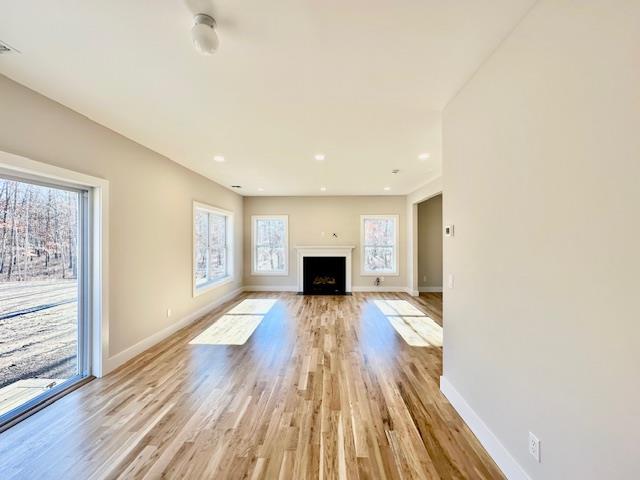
534, 447
451, 280
424, 278
168, 312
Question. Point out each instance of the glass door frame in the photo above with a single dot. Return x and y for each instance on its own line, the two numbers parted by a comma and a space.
84, 331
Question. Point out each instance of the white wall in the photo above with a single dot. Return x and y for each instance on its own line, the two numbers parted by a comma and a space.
542, 182
150, 210
430, 244
310, 216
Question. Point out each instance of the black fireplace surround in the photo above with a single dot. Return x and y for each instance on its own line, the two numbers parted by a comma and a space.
324, 275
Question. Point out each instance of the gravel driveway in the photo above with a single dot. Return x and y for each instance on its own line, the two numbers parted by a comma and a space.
38, 330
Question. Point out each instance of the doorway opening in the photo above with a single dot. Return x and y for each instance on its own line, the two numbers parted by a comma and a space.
430, 236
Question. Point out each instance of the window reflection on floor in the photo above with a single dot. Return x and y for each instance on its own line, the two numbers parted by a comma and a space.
236, 326
417, 329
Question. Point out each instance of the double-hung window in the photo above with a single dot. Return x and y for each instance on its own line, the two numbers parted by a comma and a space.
212, 252
270, 250
379, 244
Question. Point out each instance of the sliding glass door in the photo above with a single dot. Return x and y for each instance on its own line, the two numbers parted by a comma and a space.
43, 292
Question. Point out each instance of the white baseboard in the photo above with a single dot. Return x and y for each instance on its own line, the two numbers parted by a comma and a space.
293, 288
118, 359
270, 288
379, 288
430, 289
511, 469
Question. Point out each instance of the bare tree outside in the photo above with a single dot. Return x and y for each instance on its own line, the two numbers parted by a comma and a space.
38, 283
210, 246
270, 245
379, 244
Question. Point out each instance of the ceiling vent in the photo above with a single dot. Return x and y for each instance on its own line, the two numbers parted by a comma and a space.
6, 48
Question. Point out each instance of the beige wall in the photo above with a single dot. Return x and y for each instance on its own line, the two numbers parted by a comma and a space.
430, 242
542, 182
310, 216
430, 189
150, 208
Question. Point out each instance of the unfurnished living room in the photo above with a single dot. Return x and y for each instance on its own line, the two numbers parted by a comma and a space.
320, 240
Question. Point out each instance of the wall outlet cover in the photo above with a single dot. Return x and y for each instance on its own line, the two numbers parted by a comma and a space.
534, 447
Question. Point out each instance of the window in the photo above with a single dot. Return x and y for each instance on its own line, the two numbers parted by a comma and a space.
379, 239
212, 256
270, 249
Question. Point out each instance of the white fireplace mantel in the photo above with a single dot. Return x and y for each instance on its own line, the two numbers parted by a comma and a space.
324, 251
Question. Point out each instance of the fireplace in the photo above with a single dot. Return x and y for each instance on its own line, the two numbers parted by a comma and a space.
320, 253
324, 275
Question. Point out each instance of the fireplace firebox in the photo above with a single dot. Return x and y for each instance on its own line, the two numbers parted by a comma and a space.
324, 275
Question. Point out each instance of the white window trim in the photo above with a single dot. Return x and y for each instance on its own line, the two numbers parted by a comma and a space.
380, 273
254, 218
229, 277
100, 361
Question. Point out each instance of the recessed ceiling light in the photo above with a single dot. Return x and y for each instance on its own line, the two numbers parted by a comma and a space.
218, 158
323, 189
319, 156
387, 189
424, 156
260, 189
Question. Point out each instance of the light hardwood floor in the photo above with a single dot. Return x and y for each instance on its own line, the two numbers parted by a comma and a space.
324, 388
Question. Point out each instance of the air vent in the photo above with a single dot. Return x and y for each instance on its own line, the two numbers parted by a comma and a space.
236, 186
6, 48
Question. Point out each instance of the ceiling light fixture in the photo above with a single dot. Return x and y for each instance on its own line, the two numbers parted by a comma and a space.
204, 35
424, 156
323, 189
260, 189
386, 189
218, 158
319, 156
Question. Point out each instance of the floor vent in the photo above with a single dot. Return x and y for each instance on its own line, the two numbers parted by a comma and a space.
6, 48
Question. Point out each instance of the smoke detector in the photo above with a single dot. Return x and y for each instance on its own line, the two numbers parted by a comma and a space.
6, 48
204, 35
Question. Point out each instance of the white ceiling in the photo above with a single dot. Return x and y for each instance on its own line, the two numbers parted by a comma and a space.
362, 81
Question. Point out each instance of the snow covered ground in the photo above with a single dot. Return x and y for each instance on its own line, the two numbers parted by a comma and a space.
38, 330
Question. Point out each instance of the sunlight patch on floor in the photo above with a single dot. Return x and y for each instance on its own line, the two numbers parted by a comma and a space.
22, 391
253, 306
412, 325
398, 307
236, 326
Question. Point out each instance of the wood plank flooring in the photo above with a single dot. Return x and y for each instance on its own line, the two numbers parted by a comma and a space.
324, 388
